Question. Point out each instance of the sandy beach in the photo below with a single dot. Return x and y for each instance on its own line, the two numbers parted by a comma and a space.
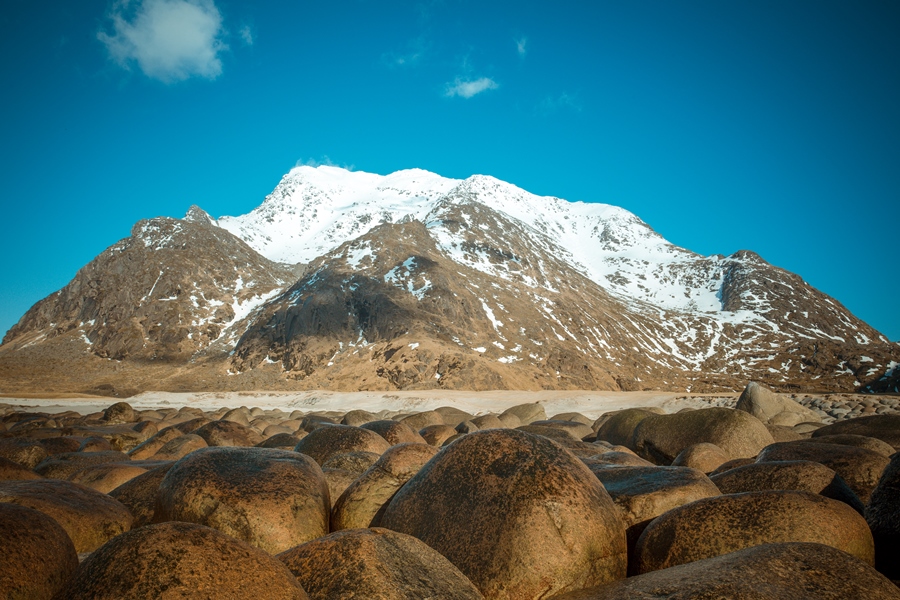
589, 403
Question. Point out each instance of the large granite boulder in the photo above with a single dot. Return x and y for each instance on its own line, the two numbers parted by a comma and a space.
783, 571
324, 442
722, 524
139, 494
773, 408
37, 557
519, 515
375, 563
271, 499
884, 427
660, 438
883, 516
394, 432
181, 560
89, 517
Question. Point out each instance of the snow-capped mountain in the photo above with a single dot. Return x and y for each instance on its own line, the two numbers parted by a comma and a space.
412, 280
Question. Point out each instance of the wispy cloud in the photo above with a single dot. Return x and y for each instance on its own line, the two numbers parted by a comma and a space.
563, 101
247, 35
413, 54
170, 40
521, 44
465, 88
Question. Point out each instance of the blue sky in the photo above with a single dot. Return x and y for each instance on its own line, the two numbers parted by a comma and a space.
764, 125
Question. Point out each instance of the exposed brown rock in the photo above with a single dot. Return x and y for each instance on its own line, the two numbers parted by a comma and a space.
325, 442
517, 514
27, 452
618, 427
800, 475
375, 563
179, 447
120, 412
859, 467
228, 433
859, 441
394, 432
436, 435
704, 457
139, 494
769, 407
884, 427
88, 516
181, 560
714, 526
784, 571
355, 462
63, 466
13, 471
660, 438
362, 503
37, 555
269, 498
106, 477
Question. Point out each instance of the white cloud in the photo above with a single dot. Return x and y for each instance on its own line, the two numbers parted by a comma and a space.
520, 46
247, 35
469, 88
563, 101
170, 40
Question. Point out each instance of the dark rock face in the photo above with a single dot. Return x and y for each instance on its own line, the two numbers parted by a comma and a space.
883, 516
181, 560
139, 494
375, 563
88, 516
37, 555
271, 499
722, 524
517, 514
783, 571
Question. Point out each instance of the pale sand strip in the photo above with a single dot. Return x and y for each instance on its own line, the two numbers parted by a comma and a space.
589, 403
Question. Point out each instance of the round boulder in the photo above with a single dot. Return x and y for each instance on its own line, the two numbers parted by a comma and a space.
660, 438
12, 471
375, 563
362, 502
107, 477
63, 466
784, 571
618, 428
436, 435
526, 413
228, 433
181, 560
120, 412
24, 451
325, 442
704, 457
88, 516
770, 407
394, 432
803, 475
520, 516
884, 427
722, 524
180, 447
139, 494
37, 555
270, 498
859, 467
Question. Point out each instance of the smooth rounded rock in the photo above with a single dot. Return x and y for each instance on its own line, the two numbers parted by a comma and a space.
784, 571
376, 563
618, 428
394, 432
526, 413
37, 557
436, 435
325, 442
120, 412
139, 494
355, 418
88, 516
228, 433
800, 475
271, 499
520, 516
107, 477
181, 560
884, 427
660, 438
24, 451
63, 466
859, 467
180, 447
362, 502
13, 471
858, 441
714, 526
770, 407
704, 457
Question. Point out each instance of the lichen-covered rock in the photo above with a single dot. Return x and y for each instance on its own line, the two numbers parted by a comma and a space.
325, 442
394, 432
883, 516
180, 560
714, 526
271, 499
228, 433
37, 557
63, 466
704, 457
784, 571
884, 427
660, 438
770, 407
375, 563
139, 494
88, 516
520, 516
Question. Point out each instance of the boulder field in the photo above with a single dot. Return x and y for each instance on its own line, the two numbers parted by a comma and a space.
762, 500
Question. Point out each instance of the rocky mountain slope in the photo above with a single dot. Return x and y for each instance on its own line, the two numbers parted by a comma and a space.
347, 280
